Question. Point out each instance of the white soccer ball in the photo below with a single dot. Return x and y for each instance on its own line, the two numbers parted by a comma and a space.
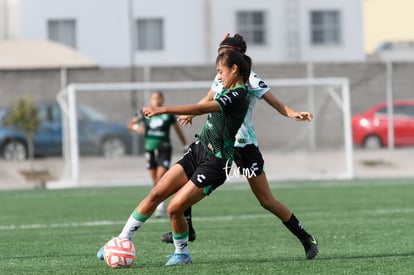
119, 253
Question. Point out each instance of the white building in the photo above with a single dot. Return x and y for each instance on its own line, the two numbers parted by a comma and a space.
187, 32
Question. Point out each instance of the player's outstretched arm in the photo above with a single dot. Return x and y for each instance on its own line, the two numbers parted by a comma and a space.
187, 120
285, 110
195, 109
133, 126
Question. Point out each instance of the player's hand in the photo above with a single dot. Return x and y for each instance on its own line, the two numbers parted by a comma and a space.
130, 124
185, 120
151, 111
302, 116
133, 126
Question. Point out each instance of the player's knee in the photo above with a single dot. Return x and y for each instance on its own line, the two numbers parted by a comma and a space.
266, 202
154, 198
174, 210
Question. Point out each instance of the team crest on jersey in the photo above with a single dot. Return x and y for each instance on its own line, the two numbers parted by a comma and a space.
155, 123
262, 84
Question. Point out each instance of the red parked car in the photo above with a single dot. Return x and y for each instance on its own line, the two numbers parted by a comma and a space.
370, 128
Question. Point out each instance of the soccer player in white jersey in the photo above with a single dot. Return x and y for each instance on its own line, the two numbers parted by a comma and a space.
247, 154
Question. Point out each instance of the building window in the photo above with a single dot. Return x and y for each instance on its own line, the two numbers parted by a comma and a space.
150, 34
325, 27
62, 31
251, 24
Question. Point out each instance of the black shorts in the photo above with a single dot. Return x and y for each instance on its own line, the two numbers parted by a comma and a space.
158, 157
203, 169
249, 160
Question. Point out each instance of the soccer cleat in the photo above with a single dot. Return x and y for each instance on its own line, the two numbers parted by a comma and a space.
311, 247
167, 237
179, 259
100, 253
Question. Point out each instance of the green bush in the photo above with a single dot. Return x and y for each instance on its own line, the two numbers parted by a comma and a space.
23, 116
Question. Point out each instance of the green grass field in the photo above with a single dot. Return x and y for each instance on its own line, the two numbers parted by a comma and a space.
363, 227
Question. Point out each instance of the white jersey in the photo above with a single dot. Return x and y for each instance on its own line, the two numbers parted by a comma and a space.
257, 88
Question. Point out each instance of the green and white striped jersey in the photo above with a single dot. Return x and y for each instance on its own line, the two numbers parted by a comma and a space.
219, 131
257, 88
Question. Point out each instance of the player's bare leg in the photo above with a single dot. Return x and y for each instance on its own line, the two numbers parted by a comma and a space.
188, 195
260, 188
172, 181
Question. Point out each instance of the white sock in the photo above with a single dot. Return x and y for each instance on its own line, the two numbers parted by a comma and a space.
181, 243
134, 222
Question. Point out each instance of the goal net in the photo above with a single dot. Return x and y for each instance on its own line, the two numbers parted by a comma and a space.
291, 150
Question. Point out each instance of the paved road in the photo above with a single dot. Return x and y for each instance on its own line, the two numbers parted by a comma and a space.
279, 166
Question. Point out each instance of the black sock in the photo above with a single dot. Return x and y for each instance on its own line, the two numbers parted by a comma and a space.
187, 215
296, 228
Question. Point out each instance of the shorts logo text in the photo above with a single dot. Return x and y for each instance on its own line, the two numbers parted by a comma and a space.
236, 172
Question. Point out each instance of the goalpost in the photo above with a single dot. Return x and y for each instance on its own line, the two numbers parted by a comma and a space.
70, 97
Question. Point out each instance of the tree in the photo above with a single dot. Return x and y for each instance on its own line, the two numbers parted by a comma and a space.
23, 116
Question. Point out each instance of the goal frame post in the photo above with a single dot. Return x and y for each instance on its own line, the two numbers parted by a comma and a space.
67, 100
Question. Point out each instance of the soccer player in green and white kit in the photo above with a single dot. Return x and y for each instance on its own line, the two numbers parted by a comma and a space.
158, 148
203, 167
247, 154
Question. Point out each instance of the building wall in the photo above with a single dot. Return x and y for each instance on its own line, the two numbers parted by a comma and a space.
193, 29
184, 32
386, 20
102, 26
224, 20
352, 32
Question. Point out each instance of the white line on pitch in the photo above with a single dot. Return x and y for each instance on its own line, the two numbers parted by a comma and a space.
212, 218
100, 223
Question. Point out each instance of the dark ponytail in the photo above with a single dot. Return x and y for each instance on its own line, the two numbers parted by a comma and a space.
235, 42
